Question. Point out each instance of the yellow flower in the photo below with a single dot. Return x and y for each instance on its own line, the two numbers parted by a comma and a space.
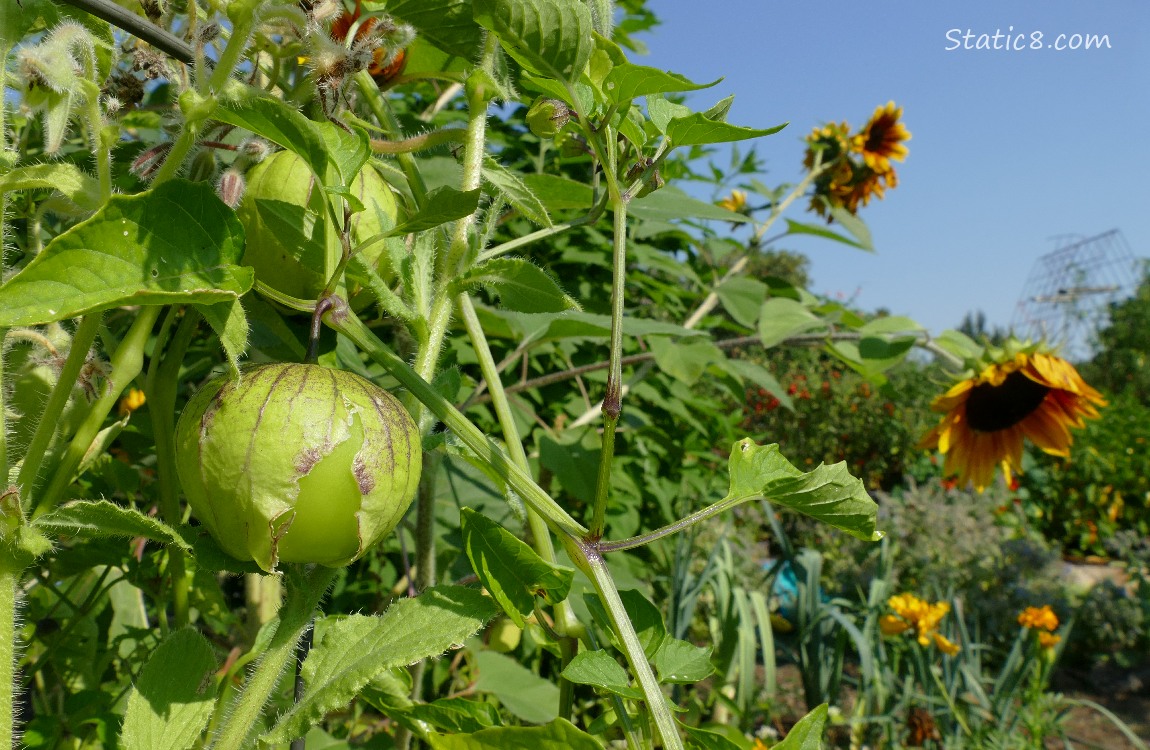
131, 401
946, 646
736, 201
892, 625
882, 139
1048, 640
846, 182
914, 614
1039, 618
1030, 395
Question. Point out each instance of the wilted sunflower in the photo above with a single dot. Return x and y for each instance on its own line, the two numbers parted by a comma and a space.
1030, 395
882, 139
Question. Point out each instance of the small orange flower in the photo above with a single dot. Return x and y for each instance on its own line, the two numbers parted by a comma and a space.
1048, 640
1039, 618
131, 401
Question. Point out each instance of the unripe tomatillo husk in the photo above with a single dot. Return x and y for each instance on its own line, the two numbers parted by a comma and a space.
297, 463
284, 222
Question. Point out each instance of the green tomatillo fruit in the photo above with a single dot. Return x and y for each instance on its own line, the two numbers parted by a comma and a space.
297, 463
286, 223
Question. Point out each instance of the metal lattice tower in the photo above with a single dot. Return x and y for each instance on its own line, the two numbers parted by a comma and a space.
1068, 295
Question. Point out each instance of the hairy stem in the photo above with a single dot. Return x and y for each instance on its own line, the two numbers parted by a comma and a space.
369, 90
127, 363
9, 585
37, 449
304, 587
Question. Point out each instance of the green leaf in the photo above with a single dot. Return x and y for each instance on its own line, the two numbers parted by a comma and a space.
672, 204
854, 225
828, 493
347, 152
698, 130
548, 37
546, 326
559, 193
685, 361
808, 733
782, 317
627, 81
445, 23
230, 324
511, 186
174, 697
521, 691
889, 324
509, 569
443, 205
356, 648
574, 462
662, 112
599, 669
176, 244
682, 662
521, 286
958, 344
746, 370
872, 355
796, 227
457, 714
558, 734
67, 179
279, 123
645, 617
101, 519
743, 298
701, 739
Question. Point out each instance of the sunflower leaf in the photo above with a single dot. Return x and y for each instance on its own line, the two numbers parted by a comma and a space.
828, 493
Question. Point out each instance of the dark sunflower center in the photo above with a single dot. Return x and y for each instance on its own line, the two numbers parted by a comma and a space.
995, 407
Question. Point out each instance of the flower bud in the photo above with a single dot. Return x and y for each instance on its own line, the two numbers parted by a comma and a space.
230, 188
297, 463
547, 117
203, 166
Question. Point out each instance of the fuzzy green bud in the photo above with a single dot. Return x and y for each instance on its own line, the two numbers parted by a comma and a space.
547, 117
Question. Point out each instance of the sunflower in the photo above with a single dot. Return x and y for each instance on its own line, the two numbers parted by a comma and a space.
882, 139
1029, 395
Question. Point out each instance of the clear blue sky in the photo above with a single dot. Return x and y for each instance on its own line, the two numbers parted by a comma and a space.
1009, 148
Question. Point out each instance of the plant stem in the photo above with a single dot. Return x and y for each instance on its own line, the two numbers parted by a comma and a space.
540, 535
138, 26
127, 363
471, 436
82, 341
370, 92
613, 399
9, 583
588, 559
305, 586
160, 387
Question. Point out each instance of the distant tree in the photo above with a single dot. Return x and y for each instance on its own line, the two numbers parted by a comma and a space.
1122, 359
974, 325
792, 267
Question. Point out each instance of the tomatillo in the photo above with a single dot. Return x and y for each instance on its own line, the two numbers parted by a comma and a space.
297, 463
